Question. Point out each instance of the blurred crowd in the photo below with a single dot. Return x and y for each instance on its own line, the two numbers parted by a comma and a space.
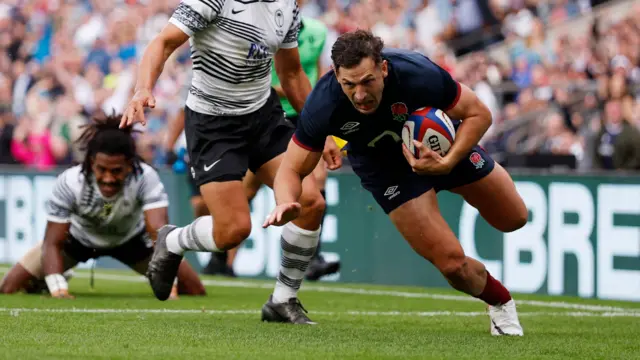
63, 61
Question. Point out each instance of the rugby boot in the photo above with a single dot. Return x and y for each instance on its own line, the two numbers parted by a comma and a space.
163, 267
504, 320
291, 312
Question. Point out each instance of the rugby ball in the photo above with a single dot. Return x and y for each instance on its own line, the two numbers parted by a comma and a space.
430, 126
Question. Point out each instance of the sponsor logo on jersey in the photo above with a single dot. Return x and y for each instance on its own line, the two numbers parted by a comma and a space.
477, 160
107, 207
400, 112
350, 127
392, 192
258, 53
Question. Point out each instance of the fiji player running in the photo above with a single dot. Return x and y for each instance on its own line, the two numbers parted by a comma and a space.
233, 123
357, 103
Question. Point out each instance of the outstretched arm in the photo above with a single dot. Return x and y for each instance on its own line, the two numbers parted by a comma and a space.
189, 18
298, 162
151, 66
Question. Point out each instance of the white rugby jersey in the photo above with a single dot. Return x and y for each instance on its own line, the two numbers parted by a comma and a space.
99, 222
232, 47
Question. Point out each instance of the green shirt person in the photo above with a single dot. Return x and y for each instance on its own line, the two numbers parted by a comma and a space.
311, 40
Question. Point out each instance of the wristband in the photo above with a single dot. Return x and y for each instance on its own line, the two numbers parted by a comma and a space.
56, 282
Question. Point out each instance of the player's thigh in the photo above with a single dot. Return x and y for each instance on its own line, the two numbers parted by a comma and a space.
228, 205
497, 200
219, 152
410, 201
32, 260
421, 224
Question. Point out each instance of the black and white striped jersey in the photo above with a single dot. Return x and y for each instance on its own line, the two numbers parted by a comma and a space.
232, 47
99, 222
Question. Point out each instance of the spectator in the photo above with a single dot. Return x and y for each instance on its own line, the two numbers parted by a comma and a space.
618, 143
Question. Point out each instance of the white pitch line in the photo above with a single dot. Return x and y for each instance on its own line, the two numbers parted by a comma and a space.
370, 292
17, 311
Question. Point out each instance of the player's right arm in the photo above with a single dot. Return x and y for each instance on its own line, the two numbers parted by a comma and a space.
52, 262
190, 17
59, 208
298, 162
302, 155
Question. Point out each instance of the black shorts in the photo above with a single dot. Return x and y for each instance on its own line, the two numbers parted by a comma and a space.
139, 248
394, 185
222, 148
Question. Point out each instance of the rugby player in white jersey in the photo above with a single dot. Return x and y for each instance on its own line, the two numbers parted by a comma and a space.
110, 205
234, 122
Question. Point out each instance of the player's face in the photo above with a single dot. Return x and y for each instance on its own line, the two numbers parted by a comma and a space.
110, 171
363, 84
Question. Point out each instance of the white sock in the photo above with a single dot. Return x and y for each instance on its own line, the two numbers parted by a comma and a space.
197, 236
298, 247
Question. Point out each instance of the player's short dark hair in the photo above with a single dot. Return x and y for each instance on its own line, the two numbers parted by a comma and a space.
103, 135
351, 47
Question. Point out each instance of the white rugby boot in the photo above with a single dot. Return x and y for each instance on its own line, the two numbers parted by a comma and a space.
504, 320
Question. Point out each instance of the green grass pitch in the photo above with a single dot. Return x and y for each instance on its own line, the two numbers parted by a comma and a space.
120, 319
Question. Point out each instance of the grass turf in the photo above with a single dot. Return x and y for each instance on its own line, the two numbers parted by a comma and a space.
120, 319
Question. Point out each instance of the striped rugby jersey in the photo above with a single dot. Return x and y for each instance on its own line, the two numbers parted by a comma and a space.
99, 222
232, 47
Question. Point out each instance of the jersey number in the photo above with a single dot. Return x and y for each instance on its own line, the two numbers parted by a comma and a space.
395, 137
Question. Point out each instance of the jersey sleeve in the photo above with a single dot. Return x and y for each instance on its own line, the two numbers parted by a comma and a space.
191, 16
151, 192
309, 134
435, 82
290, 40
62, 201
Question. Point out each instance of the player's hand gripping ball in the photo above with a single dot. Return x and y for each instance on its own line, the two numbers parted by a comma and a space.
427, 137
432, 127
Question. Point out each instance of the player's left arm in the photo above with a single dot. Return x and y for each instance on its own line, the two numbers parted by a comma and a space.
475, 121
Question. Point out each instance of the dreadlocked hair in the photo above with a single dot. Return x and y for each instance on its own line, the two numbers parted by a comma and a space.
103, 135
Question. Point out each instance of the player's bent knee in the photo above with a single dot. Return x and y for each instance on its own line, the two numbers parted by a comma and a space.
517, 219
229, 235
7, 288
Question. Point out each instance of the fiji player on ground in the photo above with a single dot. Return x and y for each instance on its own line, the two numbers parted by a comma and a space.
110, 205
365, 101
